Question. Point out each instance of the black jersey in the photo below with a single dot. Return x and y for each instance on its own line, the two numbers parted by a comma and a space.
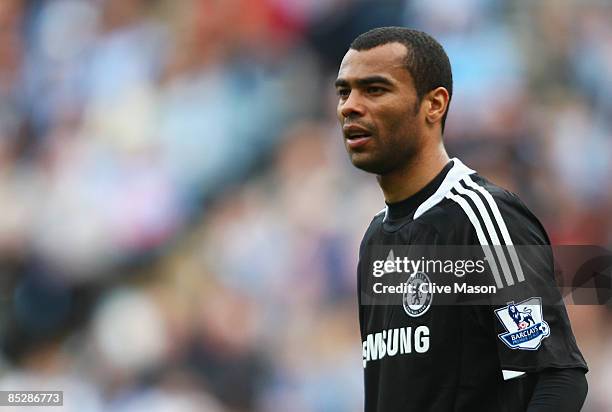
420, 356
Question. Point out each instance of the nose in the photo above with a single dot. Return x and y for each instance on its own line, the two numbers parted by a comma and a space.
352, 106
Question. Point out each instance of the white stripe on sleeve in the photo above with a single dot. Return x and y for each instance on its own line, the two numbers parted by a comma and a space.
502, 227
482, 210
481, 236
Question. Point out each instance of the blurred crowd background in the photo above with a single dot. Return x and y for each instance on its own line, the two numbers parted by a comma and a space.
179, 223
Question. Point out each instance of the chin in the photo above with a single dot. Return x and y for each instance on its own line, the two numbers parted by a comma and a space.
373, 166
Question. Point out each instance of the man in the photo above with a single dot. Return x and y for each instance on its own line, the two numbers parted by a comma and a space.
394, 87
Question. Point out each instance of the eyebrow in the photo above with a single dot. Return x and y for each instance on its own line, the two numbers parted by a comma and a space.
366, 81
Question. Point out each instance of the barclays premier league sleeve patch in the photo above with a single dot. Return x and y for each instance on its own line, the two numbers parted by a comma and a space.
524, 323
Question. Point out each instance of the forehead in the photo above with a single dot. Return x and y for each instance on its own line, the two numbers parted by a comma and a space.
387, 60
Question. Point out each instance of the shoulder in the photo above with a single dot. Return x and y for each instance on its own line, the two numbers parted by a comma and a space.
375, 224
502, 210
478, 211
374, 227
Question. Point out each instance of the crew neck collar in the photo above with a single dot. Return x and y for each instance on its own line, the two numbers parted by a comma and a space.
408, 206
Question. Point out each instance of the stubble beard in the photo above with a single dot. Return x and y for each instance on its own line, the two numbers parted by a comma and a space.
396, 155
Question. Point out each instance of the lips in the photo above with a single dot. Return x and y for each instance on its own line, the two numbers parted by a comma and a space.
356, 136
355, 132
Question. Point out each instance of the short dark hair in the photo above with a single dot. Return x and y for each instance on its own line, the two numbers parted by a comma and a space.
426, 59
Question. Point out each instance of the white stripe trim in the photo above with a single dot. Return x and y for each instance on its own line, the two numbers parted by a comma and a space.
481, 236
490, 228
508, 374
457, 172
502, 227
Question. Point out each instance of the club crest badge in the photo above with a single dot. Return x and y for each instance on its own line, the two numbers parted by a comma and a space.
417, 299
524, 323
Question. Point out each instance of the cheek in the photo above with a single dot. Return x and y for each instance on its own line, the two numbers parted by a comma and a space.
399, 123
339, 113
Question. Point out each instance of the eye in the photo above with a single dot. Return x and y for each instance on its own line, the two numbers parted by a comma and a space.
343, 92
375, 90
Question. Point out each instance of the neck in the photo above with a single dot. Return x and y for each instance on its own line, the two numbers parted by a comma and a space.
404, 182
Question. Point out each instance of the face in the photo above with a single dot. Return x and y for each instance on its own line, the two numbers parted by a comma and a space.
378, 108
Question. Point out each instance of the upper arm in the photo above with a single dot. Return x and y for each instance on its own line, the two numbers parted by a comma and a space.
532, 331
559, 390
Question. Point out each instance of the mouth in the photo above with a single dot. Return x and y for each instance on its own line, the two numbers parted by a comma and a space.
356, 136
359, 135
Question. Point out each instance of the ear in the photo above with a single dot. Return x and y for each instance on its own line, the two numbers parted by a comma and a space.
436, 103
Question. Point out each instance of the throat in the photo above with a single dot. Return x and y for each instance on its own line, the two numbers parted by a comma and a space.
403, 183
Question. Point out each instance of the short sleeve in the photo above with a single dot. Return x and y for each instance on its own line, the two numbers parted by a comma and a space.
530, 324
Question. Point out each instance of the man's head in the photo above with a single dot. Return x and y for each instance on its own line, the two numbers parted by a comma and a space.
394, 86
